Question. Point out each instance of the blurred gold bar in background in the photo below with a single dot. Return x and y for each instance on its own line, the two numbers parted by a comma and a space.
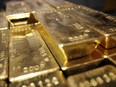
101, 77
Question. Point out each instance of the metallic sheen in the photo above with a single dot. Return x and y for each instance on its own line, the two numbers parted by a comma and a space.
103, 23
67, 39
55, 79
29, 55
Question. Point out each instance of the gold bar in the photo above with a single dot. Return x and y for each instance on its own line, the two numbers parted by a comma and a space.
4, 49
100, 77
29, 56
68, 39
68, 42
102, 23
55, 79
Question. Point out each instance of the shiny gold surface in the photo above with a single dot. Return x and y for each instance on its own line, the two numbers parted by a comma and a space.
102, 23
100, 77
74, 39
21, 19
106, 52
67, 39
31, 56
54, 79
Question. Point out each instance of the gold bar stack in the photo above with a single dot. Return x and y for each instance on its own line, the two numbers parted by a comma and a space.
56, 43
71, 42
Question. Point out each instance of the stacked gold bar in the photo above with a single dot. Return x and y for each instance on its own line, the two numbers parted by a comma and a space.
70, 40
27, 49
104, 24
47, 43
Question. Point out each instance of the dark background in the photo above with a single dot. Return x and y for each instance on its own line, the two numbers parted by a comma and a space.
107, 6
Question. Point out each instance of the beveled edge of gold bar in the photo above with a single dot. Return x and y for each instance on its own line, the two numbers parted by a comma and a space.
21, 19
67, 65
93, 59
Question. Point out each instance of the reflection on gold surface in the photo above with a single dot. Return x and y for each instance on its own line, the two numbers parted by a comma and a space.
68, 41
21, 19
28, 50
102, 23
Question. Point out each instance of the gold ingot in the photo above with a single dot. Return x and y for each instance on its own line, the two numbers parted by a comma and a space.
29, 56
72, 43
102, 23
68, 40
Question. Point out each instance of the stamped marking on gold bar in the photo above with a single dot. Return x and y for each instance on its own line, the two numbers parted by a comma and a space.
55, 79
